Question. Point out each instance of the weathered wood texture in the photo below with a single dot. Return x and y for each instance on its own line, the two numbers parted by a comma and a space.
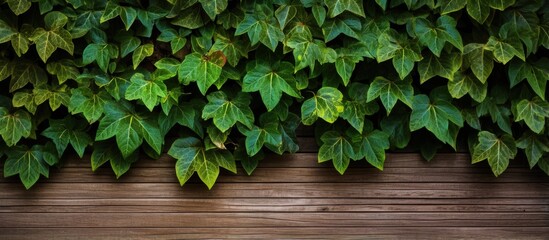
289, 196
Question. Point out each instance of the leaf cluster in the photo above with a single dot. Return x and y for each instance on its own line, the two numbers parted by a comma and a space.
220, 83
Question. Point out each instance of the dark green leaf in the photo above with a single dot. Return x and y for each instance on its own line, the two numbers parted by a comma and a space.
498, 151
326, 104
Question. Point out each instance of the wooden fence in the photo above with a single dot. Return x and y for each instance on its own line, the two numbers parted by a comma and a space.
290, 196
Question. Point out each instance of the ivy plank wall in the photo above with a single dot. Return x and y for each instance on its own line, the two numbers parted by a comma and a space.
290, 196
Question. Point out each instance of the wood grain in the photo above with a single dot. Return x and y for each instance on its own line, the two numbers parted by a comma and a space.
288, 196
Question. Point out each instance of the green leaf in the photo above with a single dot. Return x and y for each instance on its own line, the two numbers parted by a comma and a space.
258, 30
6, 32
390, 91
48, 41
451, 6
85, 101
19, 7
533, 112
129, 128
326, 104
130, 44
466, 84
26, 72
101, 53
537, 74
205, 70
233, 48
28, 163
435, 36
397, 47
336, 7
271, 80
333, 27
479, 60
435, 115
213, 7
373, 144
128, 16
147, 90
444, 66
504, 51
141, 53
534, 146
523, 25
357, 108
193, 157
111, 11
338, 148
107, 151
257, 137
55, 95
478, 10
498, 151
396, 125
227, 111
20, 44
65, 131
14, 126
64, 69
500, 4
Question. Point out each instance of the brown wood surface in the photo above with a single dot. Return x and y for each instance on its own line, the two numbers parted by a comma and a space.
289, 196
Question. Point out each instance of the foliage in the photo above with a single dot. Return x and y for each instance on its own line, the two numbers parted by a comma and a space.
215, 83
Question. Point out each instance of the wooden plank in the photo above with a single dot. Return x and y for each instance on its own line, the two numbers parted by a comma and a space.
270, 219
303, 175
395, 232
278, 190
272, 205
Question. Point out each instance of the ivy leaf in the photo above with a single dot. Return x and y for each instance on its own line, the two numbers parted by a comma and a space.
537, 74
65, 131
333, 27
147, 90
111, 11
6, 32
336, 7
479, 60
498, 151
466, 84
435, 116
271, 80
85, 101
397, 47
55, 95
5, 69
129, 128
14, 126
451, 6
503, 51
128, 16
28, 163
534, 146
500, 4
24, 72
259, 136
213, 8
338, 148
533, 112
478, 10
326, 104
193, 157
259, 30
373, 144
390, 91
129, 44
227, 111
205, 70
358, 107
101, 53
19, 7
233, 48
435, 36
306, 51
107, 151
444, 66
523, 25
140, 53
64, 70
48, 41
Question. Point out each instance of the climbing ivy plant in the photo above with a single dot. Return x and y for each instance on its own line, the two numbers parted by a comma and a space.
220, 83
